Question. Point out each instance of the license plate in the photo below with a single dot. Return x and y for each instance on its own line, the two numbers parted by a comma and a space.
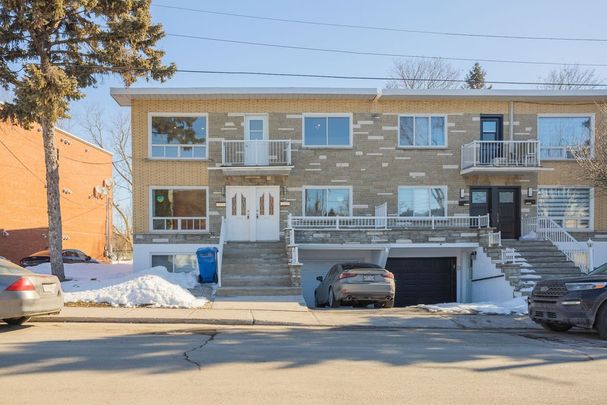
48, 288
368, 278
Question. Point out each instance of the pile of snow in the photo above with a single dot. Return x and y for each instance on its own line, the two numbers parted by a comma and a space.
120, 285
516, 306
530, 236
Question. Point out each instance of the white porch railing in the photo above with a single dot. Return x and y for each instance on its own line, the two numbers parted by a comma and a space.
578, 252
291, 243
222, 241
386, 222
500, 154
179, 223
256, 153
494, 238
509, 256
381, 211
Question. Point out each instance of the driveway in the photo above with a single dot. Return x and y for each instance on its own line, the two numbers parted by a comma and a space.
120, 363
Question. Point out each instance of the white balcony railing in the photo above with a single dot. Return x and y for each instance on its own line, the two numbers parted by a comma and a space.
192, 224
545, 228
386, 222
256, 153
517, 154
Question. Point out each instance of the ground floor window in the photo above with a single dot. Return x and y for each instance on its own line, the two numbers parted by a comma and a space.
422, 201
179, 209
327, 201
570, 207
176, 263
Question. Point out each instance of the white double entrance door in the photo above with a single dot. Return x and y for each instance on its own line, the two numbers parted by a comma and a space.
252, 213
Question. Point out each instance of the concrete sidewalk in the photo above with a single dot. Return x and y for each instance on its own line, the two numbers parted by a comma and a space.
239, 314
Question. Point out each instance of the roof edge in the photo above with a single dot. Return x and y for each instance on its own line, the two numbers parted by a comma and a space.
84, 141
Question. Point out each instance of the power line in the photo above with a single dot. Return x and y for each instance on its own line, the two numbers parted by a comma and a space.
389, 29
368, 53
331, 76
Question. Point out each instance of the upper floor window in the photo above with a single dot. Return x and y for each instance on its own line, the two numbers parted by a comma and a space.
176, 136
570, 207
422, 131
327, 130
179, 209
422, 201
327, 201
561, 136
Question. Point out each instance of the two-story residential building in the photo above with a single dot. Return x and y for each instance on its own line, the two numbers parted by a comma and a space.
436, 185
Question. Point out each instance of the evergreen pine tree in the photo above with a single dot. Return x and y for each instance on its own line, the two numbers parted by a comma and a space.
475, 79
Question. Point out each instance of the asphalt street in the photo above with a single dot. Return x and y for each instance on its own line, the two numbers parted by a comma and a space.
61, 363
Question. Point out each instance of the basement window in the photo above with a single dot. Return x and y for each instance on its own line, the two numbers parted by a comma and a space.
176, 263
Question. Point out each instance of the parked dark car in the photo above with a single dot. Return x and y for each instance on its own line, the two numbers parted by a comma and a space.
69, 256
356, 284
558, 305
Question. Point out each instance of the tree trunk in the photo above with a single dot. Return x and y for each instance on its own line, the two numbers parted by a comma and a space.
55, 234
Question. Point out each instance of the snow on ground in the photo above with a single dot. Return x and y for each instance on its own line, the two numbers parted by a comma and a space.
516, 306
119, 285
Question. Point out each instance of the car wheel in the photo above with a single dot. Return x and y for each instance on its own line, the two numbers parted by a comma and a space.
601, 321
333, 303
556, 327
384, 304
17, 321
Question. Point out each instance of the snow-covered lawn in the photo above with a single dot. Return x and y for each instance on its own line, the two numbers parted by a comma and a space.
119, 285
516, 306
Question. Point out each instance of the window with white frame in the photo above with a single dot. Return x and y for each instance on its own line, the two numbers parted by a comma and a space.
176, 263
327, 201
327, 131
178, 136
570, 207
561, 136
179, 209
422, 201
422, 131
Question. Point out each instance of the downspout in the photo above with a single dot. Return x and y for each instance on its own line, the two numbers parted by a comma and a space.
511, 127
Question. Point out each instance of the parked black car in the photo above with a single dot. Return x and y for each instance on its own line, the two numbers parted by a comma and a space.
558, 305
69, 256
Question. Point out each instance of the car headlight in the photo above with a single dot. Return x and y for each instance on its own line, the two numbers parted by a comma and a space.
585, 286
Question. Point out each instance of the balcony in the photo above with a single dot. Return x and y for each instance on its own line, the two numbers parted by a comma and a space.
261, 157
507, 157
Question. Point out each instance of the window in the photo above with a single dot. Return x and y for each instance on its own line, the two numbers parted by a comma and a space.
560, 137
327, 131
176, 263
569, 207
422, 131
178, 136
323, 202
422, 201
177, 209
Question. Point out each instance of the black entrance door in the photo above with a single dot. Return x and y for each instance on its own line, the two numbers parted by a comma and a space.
424, 280
503, 206
491, 130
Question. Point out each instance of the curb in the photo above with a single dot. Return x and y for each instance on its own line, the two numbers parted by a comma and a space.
248, 322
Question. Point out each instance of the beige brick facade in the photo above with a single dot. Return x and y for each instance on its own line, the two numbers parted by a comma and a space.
374, 166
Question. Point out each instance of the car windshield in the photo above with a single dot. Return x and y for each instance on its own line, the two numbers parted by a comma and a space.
602, 269
350, 266
7, 267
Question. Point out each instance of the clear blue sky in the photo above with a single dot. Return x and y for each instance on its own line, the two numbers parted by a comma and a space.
582, 18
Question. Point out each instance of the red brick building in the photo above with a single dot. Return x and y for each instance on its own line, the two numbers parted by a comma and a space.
84, 170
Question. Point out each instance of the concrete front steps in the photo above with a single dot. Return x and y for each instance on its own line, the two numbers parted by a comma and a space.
256, 269
537, 260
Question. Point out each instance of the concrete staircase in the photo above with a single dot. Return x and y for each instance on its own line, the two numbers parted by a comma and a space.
256, 269
536, 260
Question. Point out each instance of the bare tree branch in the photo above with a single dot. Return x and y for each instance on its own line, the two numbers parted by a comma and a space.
570, 77
417, 73
594, 162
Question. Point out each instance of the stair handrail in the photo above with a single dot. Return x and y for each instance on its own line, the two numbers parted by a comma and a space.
291, 242
579, 253
222, 241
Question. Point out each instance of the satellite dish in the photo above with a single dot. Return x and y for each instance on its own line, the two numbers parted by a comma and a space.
108, 182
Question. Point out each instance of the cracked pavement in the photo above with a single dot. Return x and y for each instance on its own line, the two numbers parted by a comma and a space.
171, 363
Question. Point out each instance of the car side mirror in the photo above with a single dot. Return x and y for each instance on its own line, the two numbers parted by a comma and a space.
319, 278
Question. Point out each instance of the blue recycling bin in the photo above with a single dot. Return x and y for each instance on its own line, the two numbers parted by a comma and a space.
207, 264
